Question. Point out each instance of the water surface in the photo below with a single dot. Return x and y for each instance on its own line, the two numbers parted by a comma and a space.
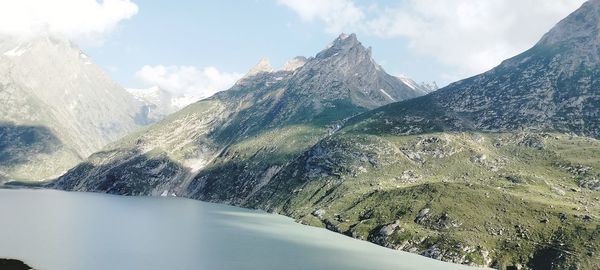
54, 230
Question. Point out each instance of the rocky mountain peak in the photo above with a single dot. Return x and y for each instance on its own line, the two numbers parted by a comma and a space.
345, 45
263, 66
345, 39
582, 27
294, 63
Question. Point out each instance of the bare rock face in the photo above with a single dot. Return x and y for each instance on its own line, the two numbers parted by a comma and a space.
346, 70
63, 106
294, 63
553, 86
263, 66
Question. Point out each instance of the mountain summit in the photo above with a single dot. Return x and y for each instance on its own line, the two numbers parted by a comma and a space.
58, 107
263, 66
344, 44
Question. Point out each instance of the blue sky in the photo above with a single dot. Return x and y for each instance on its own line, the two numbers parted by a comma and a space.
192, 46
233, 36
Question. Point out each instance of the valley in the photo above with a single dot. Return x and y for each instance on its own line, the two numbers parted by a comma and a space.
498, 170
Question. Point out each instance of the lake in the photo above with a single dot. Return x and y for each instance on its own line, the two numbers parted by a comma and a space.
54, 230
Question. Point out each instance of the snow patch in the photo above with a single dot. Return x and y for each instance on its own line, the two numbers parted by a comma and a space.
410, 83
16, 51
195, 164
151, 94
85, 58
387, 95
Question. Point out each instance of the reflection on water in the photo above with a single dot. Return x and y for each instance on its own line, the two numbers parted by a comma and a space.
53, 230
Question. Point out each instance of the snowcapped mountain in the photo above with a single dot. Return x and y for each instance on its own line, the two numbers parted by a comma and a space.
158, 102
58, 107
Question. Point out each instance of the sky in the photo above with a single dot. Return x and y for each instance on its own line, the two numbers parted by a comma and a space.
198, 47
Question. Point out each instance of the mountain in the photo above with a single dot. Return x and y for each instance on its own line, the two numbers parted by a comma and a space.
226, 147
499, 170
553, 86
158, 102
58, 107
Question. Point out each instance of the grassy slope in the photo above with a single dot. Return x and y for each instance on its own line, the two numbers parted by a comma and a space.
504, 199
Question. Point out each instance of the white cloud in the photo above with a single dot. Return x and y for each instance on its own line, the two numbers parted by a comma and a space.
335, 14
187, 81
470, 35
82, 20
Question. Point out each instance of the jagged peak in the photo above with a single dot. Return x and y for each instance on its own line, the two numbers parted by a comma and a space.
343, 43
344, 38
263, 66
294, 63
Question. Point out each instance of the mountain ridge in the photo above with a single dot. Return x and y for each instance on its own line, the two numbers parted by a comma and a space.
549, 87
82, 112
311, 99
497, 170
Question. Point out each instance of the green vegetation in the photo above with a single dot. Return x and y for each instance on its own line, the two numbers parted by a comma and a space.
505, 200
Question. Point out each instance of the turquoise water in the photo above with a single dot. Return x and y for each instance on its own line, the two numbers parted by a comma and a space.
53, 230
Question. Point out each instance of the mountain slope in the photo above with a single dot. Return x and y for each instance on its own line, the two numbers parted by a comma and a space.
554, 86
269, 115
58, 107
487, 199
480, 172
487, 171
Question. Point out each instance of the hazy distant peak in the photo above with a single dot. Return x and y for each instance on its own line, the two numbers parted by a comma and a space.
56, 86
294, 63
263, 66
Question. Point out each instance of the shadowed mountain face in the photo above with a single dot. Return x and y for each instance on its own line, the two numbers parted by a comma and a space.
23, 139
251, 130
21, 147
47, 82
